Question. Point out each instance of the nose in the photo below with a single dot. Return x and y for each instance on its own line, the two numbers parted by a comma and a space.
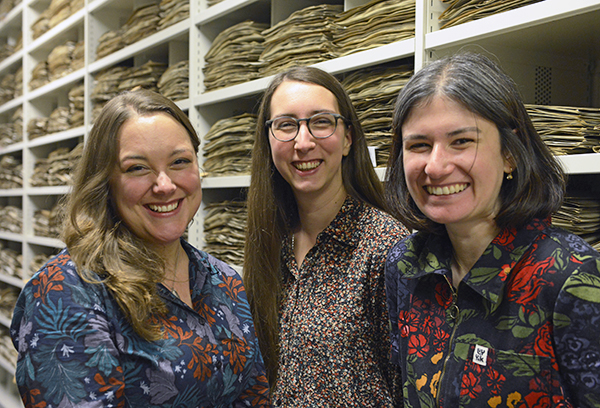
164, 184
439, 163
304, 139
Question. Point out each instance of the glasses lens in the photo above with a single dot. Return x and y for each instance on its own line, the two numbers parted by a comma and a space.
322, 125
284, 128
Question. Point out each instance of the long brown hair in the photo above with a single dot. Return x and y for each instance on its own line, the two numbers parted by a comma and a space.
273, 212
101, 246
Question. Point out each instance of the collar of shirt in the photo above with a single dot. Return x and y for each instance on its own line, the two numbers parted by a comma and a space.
343, 229
426, 254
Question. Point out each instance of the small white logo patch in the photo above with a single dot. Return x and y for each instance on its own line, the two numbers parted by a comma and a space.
480, 355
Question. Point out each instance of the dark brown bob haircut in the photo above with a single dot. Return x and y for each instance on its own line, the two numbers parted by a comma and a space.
478, 84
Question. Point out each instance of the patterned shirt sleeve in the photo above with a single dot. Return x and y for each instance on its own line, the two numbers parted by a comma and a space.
577, 334
66, 349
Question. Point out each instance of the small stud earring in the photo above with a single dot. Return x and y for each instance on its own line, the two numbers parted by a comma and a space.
509, 176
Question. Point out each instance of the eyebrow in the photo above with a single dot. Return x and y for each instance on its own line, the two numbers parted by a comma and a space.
141, 157
312, 113
418, 136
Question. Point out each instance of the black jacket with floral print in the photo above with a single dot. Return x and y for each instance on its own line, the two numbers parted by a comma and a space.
521, 330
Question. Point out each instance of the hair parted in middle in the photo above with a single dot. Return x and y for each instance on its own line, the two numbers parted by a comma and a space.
538, 182
273, 212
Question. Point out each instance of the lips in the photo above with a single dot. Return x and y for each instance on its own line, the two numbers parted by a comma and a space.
446, 190
306, 166
163, 208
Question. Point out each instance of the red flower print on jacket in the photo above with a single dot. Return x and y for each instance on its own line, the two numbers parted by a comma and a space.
471, 386
418, 345
528, 283
505, 238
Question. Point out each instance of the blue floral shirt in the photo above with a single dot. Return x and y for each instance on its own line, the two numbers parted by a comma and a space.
77, 349
521, 330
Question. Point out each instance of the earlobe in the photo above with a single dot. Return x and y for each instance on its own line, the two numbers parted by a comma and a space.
509, 165
347, 142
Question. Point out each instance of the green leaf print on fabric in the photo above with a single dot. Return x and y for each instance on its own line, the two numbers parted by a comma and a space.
584, 286
432, 263
521, 365
61, 375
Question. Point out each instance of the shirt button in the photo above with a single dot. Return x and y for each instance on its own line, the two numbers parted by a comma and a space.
404, 331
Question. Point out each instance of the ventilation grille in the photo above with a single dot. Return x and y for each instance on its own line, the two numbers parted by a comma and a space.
543, 86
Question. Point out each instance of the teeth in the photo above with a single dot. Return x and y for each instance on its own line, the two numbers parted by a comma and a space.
446, 190
163, 208
307, 166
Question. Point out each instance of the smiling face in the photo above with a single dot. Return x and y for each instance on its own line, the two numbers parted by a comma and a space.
311, 166
453, 163
155, 186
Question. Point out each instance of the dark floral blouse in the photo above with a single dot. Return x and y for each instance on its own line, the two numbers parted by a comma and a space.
334, 334
77, 350
522, 330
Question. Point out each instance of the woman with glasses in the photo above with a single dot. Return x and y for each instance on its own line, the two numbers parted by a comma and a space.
315, 249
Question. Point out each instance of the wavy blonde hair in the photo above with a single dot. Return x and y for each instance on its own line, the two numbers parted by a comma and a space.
101, 246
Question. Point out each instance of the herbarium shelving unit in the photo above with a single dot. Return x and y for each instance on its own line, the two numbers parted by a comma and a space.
551, 48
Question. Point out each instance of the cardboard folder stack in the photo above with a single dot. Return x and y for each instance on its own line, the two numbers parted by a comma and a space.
461, 11
567, 129
304, 38
224, 230
233, 56
373, 92
581, 216
377, 23
228, 146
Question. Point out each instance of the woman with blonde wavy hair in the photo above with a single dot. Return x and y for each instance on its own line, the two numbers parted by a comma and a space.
129, 313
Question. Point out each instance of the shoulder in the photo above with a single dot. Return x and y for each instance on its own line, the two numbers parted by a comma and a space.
59, 269
564, 248
408, 249
377, 221
208, 262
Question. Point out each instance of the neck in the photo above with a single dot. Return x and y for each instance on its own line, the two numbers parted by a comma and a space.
316, 214
172, 255
468, 244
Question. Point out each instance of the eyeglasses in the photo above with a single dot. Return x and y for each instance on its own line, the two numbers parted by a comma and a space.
321, 126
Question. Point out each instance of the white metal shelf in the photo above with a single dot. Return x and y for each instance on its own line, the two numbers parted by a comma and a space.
581, 163
56, 85
59, 33
46, 242
224, 9
11, 280
15, 147
12, 104
162, 37
11, 192
548, 25
57, 137
226, 182
10, 61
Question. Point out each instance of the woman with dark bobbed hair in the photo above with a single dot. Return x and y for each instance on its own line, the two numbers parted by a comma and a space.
315, 248
490, 305
129, 314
